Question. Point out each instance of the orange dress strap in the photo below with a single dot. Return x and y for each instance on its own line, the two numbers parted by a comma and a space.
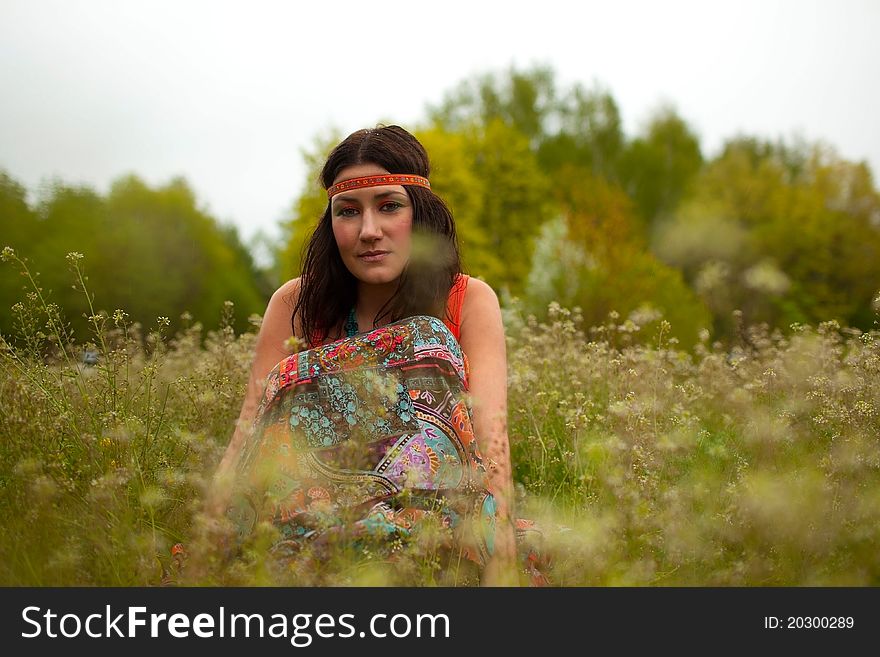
452, 319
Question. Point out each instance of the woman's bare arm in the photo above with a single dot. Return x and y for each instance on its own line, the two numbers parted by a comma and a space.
482, 339
275, 330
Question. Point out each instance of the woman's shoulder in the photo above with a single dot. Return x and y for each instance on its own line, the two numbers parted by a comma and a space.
478, 289
289, 291
285, 298
482, 326
480, 303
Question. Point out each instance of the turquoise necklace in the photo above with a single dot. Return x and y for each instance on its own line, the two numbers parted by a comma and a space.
351, 324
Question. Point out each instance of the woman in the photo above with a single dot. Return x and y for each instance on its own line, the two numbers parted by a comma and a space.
381, 269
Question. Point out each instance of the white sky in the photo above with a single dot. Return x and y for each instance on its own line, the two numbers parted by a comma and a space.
227, 93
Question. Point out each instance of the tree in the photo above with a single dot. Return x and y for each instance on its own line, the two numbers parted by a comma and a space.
151, 252
524, 100
516, 201
19, 226
165, 244
630, 282
580, 127
454, 180
783, 232
659, 166
590, 134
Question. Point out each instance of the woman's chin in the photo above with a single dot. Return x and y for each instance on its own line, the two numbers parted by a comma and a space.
377, 276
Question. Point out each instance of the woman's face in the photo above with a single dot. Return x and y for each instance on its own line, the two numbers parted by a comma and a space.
372, 219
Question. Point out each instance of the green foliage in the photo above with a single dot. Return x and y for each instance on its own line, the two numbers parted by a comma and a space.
580, 127
660, 165
149, 250
628, 283
454, 180
590, 134
523, 100
784, 233
516, 199
574, 138
499, 196
20, 224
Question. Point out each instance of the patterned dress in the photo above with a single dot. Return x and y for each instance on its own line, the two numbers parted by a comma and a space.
364, 438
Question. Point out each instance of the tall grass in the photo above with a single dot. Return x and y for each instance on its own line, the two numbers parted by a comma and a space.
104, 465
751, 464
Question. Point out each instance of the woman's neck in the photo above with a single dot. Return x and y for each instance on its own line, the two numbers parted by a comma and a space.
370, 300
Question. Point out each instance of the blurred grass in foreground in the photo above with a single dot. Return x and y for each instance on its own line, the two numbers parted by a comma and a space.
644, 465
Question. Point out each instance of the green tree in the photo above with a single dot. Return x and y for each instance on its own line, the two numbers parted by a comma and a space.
152, 252
19, 228
163, 244
517, 198
524, 100
453, 179
659, 166
783, 232
590, 134
594, 256
580, 126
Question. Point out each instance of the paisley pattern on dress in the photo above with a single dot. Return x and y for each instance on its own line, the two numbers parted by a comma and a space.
366, 437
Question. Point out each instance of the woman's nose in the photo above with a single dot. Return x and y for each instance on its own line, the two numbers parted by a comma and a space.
370, 228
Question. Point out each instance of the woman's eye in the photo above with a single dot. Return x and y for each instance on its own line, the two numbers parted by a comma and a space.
391, 206
346, 212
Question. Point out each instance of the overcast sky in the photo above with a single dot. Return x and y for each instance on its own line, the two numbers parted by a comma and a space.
227, 93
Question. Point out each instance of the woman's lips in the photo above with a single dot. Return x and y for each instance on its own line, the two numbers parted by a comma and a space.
373, 258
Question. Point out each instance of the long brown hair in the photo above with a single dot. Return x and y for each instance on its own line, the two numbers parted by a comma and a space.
328, 289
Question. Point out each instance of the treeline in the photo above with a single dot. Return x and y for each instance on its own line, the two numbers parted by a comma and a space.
149, 251
554, 202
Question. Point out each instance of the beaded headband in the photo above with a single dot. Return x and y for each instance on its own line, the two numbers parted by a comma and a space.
377, 181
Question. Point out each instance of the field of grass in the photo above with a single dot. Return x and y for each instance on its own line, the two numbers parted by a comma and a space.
753, 464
